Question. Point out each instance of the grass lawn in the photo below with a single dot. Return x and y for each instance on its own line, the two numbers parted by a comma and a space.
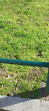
24, 35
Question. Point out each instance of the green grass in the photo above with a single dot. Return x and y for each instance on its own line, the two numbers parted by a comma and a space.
24, 35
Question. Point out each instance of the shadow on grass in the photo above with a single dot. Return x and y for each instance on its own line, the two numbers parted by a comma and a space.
35, 94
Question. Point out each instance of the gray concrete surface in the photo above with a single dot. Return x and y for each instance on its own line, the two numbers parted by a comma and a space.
23, 104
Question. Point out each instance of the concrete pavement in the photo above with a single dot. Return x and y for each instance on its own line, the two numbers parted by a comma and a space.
22, 104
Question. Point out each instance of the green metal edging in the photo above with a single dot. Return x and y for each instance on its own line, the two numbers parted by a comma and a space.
47, 84
22, 62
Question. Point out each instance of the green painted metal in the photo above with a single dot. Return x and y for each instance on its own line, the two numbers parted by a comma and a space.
47, 84
22, 62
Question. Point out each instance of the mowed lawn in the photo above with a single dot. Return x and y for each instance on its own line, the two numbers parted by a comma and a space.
24, 35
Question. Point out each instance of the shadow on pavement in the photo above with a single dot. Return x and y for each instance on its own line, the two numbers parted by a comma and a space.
4, 110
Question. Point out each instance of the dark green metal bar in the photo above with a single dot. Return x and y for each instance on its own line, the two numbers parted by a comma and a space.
22, 62
47, 84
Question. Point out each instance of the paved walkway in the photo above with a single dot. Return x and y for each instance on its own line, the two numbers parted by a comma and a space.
22, 104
